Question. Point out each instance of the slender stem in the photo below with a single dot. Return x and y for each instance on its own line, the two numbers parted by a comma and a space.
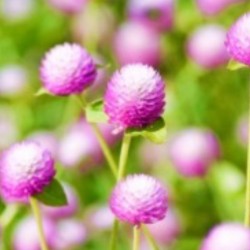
136, 238
150, 238
123, 156
103, 144
247, 205
38, 218
8, 215
113, 240
105, 149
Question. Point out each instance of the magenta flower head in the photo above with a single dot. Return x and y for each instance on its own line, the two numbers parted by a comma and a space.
145, 47
213, 7
192, 151
158, 14
134, 96
139, 199
206, 46
68, 6
67, 69
228, 236
238, 40
25, 169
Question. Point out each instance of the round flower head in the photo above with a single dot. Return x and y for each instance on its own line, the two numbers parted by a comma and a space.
68, 6
193, 150
134, 96
139, 199
158, 14
144, 47
238, 40
25, 169
213, 7
67, 69
228, 236
206, 46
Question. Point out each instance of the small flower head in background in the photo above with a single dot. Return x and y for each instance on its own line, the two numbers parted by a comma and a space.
139, 199
68, 6
134, 97
238, 40
67, 69
158, 14
25, 169
242, 130
206, 46
144, 47
193, 150
228, 236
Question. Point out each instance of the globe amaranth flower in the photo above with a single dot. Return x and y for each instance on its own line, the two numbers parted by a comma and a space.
238, 40
134, 96
158, 14
139, 199
145, 47
193, 150
67, 69
206, 46
68, 6
228, 236
25, 169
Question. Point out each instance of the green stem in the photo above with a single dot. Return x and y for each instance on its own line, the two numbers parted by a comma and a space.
113, 240
247, 205
136, 238
103, 144
38, 218
150, 238
123, 156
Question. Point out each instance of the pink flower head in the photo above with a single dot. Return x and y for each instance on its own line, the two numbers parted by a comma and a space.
206, 46
134, 96
166, 230
63, 211
68, 6
143, 47
228, 236
158, 14
192, 151
238, 40
213, 7
26, 236
25, 169
242, 130
139, 199
67, 69
69, 233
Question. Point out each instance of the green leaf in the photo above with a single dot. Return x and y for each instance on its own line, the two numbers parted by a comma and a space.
155, 132
95, 112
234, 65
53, 195
42, 91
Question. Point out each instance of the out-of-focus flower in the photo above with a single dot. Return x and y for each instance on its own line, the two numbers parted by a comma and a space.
139, 199
69, 233
192, 151
79, 145
67, 69
63, 211
142, 47
12, 10
242, 130
96, 33
213, 7
134, 96
238, 40
166, 230
26, 236
45, 139
13, 80
25, 169
158, 14
206, 46
68, 6
228, 236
